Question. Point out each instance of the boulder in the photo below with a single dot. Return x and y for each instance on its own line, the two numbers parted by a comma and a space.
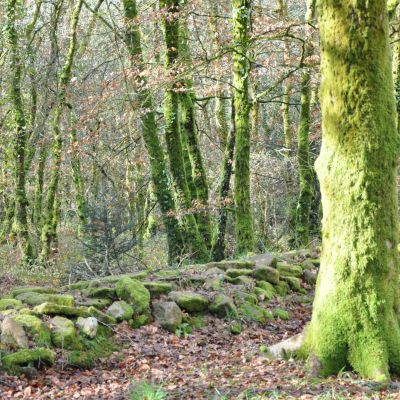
223, 306
241, 280
189, 301
242, 297
88, 326
101, 316
34, 299
264, 260
290, 270
310, 277
36, 289
235, 327
134, 293
234, 273
157, 288
120, 310
168, 315
294, 283
56, 309
13, 334
100, 292
38, 356
63, 333
36, 329
7, 304
287, 347
225, 265
282, 288
267, 274
253, 312
265, 289
98, 303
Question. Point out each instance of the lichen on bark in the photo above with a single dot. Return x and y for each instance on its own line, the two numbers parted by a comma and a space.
354, 321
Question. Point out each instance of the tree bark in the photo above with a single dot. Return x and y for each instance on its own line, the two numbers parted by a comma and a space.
355, 320
241, 67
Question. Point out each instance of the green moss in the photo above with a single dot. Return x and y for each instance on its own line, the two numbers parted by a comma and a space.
36, 328
236, 272
294, 283
235, 327
189, 301
56, 309
43, 290
63, 333
268, 290
34, 299
6, 304
223, 306
230, 264
120, 310
281, 313
241, 297
158, 288
267, 274
253, 312
100, 292
290, 270
98, 303
81, 359
140, 320
101, 316
282, 288
37, 356
134, 293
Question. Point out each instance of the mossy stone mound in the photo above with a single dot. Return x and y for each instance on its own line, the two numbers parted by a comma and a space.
36, 329
38, 357
56, 309
255, 313
134, 293
158, 288
120, 310
265, 289
168, 315
223, 306
8, 304
267, 274
235, 272
189, 301
34, 299
33, 289
100, 292
102, 316
63, 333
290, 270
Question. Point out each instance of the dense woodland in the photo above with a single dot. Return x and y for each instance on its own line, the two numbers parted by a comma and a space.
139, 135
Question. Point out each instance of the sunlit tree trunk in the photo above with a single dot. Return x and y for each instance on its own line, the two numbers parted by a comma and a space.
241, 66
355, 313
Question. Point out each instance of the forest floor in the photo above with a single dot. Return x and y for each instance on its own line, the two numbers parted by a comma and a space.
209, 363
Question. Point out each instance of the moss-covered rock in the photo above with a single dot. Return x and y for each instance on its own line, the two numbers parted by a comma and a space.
282, 288
158, 288
294, 283
56, 309
310, 277
101, 292
63, 333
189, 301
234, 272
140, 320
268, 290
13, 334
235, 327
168, 315
223, 306
98, 303
134, 293
88, 326
34, 298
35, 289
101, 316
241, 280
315, 261
7, 304
38, 356
242, 297
290, 270
213, 283
267, 274
36, 329
230, 264
281, 313
120, 310
253, 312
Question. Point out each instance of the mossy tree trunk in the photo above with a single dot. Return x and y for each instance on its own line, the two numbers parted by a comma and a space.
241, 69
218, 248
20, 220
158, 166
302, 219
171, 29
50, 221
355, 313
189, 129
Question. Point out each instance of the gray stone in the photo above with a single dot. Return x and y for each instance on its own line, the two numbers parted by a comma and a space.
88, 326
168, 315
120, 310
223, 306
13, 334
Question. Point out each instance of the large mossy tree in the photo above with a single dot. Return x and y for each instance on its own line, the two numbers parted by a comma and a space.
355, 313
